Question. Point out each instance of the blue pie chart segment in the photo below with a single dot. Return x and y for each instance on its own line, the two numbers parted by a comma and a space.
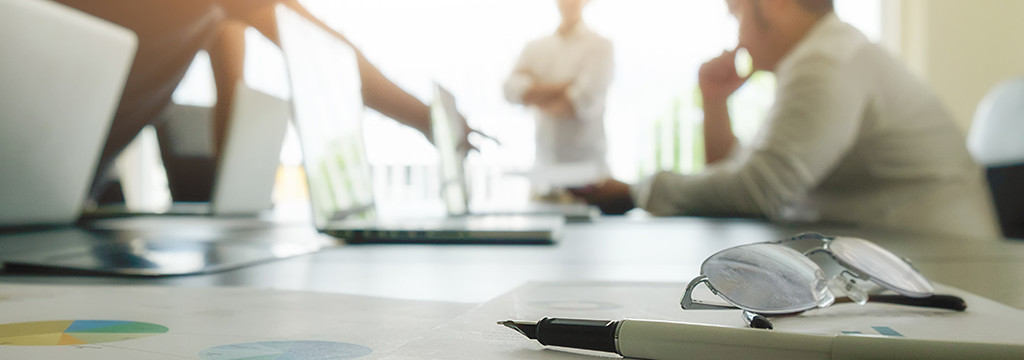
286, 350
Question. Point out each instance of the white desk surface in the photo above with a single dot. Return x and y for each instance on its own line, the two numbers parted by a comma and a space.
608, 249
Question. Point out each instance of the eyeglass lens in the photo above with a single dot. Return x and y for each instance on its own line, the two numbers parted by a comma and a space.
768, 279
882, 266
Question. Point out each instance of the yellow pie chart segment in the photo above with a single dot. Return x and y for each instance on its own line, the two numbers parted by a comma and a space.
75, 332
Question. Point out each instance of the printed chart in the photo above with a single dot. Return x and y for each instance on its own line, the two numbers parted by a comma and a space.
75, 332
286, 350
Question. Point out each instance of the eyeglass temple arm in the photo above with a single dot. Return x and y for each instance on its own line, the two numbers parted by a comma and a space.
688, 303
938, 301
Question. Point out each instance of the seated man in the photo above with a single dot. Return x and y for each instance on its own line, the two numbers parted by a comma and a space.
170, 34
853, 138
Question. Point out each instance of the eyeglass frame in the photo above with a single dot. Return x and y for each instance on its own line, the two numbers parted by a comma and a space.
688, 303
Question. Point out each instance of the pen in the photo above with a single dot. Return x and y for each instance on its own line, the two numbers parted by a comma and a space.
665, 340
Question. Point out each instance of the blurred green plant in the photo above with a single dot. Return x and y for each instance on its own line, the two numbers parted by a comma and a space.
676, 138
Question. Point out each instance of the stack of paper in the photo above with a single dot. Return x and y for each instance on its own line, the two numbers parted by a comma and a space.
139, 323
477, 333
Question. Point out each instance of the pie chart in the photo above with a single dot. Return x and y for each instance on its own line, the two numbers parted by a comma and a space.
75, 332
286, 350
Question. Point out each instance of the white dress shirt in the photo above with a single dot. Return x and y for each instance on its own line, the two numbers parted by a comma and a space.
852, 138
585, 60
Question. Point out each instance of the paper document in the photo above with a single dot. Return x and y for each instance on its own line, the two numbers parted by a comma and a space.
139, 323
476, 335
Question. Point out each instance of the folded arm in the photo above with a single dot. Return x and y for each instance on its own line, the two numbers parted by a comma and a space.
581, 97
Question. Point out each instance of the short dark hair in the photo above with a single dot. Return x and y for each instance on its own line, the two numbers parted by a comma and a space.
818, 6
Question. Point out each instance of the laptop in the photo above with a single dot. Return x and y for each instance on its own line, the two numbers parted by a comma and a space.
61, 79
247, 170
327, 109
448, 130
62, 76
242, 176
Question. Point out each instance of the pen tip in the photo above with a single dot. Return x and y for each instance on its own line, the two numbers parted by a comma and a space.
761, 322
528, 329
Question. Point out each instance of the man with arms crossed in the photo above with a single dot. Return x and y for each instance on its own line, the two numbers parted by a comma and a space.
565, 78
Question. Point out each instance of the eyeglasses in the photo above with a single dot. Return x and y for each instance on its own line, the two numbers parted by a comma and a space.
774, 278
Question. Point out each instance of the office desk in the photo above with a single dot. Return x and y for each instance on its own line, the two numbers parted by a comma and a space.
609, 249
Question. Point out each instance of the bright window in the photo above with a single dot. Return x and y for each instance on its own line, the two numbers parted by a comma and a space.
653, 115
470, 46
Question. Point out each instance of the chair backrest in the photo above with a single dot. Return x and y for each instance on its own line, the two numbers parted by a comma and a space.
996, 141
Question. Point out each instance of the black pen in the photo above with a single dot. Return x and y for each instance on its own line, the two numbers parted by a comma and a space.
664, 340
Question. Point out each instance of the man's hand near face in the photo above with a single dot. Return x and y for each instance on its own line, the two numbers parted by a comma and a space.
718, 80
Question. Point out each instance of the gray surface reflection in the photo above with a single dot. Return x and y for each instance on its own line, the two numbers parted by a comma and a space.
195, 247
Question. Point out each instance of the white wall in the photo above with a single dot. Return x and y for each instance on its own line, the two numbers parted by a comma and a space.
962, 48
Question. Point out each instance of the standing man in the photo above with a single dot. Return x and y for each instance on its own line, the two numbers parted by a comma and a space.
853, 138
565, 78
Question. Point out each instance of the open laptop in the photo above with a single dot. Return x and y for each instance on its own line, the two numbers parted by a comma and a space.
448, 130
247, 169
327, 110
61, 77
242, 176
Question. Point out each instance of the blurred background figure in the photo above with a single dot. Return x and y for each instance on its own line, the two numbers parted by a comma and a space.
171, 33
852, 138
564, 77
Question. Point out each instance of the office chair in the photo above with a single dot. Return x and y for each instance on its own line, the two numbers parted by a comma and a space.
996, 141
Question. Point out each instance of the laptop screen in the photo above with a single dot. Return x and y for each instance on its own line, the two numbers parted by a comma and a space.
327, 108
449, 128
